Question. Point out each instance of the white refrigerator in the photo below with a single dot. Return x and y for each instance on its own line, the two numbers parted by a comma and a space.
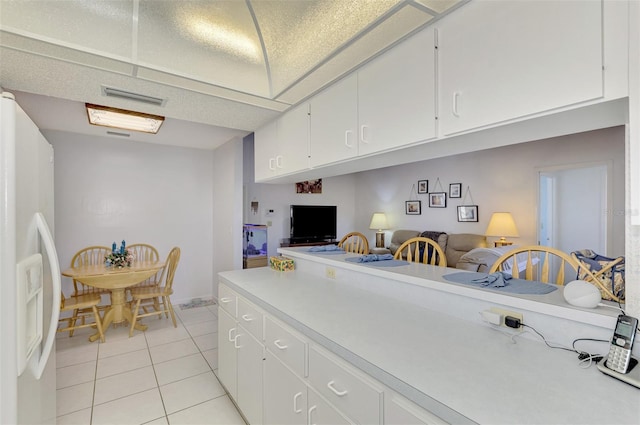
29, 271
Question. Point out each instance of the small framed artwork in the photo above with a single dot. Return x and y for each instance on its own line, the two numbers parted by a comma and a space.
468, 213
455, 190
423, 186
412, 207
437, 200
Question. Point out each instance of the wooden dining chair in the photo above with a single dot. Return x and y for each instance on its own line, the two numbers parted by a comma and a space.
163, 292
355, 242
91, 255
421, 250
81, 307
540, 262
143, 252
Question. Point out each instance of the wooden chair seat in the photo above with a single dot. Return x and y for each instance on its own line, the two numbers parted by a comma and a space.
82, 307
355, 242
422, 250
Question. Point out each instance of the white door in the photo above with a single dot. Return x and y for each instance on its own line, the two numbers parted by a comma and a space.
227, 355
573, 201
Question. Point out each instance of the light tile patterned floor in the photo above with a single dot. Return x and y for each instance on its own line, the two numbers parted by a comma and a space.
162, 376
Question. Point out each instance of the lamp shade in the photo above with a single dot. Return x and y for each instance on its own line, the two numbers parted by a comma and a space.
378, 221
502, 224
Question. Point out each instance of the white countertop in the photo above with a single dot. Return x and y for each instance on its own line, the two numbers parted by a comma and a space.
552, 304
437, 360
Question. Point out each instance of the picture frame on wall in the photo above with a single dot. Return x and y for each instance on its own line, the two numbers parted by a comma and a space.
468, 213
437, 200
455, 190
412, 207
423, 186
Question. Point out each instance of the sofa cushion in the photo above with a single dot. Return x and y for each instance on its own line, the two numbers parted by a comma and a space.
460, 243
399, 237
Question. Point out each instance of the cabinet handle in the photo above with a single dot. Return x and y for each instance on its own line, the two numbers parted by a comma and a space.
279, 345
362, 138
311, 409
295, 403
234, 338
279, 161
225, 300
454, 104
346, 139
247, 318
235, 341
272, 164
335, 391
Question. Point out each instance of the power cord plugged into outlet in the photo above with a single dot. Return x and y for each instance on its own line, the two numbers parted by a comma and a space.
512, 322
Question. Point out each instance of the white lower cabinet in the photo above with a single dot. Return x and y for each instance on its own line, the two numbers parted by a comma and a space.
240, 359
342, 385
322, 413
285, 395
227, 355
289, 380
250, 360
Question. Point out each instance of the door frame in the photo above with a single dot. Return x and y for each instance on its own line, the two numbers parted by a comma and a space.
608, 222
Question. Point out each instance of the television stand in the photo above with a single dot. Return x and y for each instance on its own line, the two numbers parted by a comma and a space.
289, 243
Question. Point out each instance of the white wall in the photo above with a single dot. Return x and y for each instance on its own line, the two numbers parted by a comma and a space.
108, 190
339, 191
500, 179
227, 209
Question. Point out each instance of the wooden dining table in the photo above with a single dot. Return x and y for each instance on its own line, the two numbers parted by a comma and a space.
116, 280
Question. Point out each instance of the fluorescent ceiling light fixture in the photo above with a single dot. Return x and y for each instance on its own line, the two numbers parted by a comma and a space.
123, 119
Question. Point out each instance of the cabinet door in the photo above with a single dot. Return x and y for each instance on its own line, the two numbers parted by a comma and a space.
322, 413
227, 358
503, 60
293, 140
396, 96
265, 148
285, 398
250, 360
334, 123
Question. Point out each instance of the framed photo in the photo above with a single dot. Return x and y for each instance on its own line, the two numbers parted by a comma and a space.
412, 208
437, 200
455, 190
468, 213
423, 186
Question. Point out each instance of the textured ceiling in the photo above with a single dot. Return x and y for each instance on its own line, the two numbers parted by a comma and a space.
227, 64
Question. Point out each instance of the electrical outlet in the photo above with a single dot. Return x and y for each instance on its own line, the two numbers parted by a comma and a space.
330, 272
504, 313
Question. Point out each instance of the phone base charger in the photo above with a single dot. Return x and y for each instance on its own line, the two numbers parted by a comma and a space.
632, 377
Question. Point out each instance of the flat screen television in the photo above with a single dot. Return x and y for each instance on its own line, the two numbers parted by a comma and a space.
313, 223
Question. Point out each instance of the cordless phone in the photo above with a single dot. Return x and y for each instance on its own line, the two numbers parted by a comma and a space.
619, 356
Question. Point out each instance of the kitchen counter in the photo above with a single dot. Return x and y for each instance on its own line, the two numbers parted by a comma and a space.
459, 370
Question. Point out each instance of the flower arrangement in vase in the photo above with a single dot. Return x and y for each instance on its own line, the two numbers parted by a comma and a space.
119, 258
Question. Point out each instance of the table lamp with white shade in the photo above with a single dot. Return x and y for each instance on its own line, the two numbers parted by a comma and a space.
503, 226
379, 223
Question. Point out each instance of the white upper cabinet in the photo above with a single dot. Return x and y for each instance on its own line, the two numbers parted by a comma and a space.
396, 96
505, 60
265, 148
282, 146
293, 139
388, 103
334, 123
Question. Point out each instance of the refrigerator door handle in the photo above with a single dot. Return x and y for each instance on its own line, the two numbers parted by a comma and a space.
50, 248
